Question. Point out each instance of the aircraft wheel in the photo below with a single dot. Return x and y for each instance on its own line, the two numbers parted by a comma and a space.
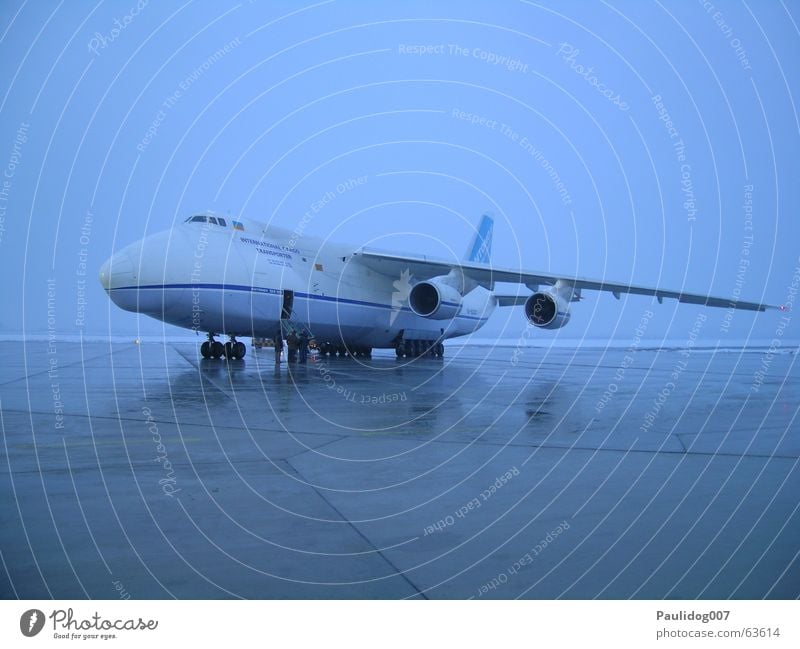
205, 349
400, 350
217, 349
239, 350
440, 350
367, 352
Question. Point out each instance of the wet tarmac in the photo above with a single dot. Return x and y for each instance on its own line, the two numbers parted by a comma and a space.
143, 471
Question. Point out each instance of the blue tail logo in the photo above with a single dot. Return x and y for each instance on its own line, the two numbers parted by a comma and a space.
480, 250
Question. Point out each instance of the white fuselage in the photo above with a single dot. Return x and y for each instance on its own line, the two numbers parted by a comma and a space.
218, 279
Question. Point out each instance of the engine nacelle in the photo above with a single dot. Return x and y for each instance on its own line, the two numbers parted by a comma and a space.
547, 311
435, 299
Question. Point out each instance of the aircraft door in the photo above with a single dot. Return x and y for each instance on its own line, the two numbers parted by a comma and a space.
288, 305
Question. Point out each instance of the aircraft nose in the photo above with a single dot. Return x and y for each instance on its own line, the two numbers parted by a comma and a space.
105, 275
134, 277
117, 272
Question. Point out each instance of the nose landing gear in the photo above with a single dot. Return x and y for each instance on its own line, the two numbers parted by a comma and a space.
232, 350
212, 348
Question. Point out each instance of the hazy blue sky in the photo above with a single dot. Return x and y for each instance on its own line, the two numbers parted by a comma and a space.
547, 114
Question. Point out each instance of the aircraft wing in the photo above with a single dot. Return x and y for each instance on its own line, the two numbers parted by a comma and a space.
422, 267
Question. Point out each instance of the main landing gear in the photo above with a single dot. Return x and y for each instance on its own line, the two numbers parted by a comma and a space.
232, 350
419, 348
353, 351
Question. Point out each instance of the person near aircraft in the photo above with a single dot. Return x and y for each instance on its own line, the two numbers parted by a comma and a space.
278, 340
292, 344
303, 344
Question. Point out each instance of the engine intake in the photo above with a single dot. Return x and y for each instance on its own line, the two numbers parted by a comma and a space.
547, 311
434, 299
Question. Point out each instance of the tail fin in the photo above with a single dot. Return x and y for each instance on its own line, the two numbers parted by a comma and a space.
480, 250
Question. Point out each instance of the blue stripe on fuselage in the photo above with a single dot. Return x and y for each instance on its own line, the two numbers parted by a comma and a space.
275, 291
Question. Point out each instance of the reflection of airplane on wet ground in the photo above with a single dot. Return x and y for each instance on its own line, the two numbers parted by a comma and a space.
242, 278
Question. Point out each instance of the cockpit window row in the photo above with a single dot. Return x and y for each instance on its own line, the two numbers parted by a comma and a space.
214, 220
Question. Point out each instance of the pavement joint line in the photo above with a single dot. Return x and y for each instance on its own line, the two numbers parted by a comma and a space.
299, 432
316, 448
143, 464
557, 447
60, 367
680, 441
403, 437
204, 376
379, 552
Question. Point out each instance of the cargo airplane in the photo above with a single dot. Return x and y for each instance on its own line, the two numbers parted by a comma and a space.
237, 278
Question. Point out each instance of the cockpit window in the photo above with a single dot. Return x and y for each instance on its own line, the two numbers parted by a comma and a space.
213, 220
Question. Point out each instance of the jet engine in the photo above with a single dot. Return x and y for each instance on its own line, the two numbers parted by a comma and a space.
435, 299
547, 310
